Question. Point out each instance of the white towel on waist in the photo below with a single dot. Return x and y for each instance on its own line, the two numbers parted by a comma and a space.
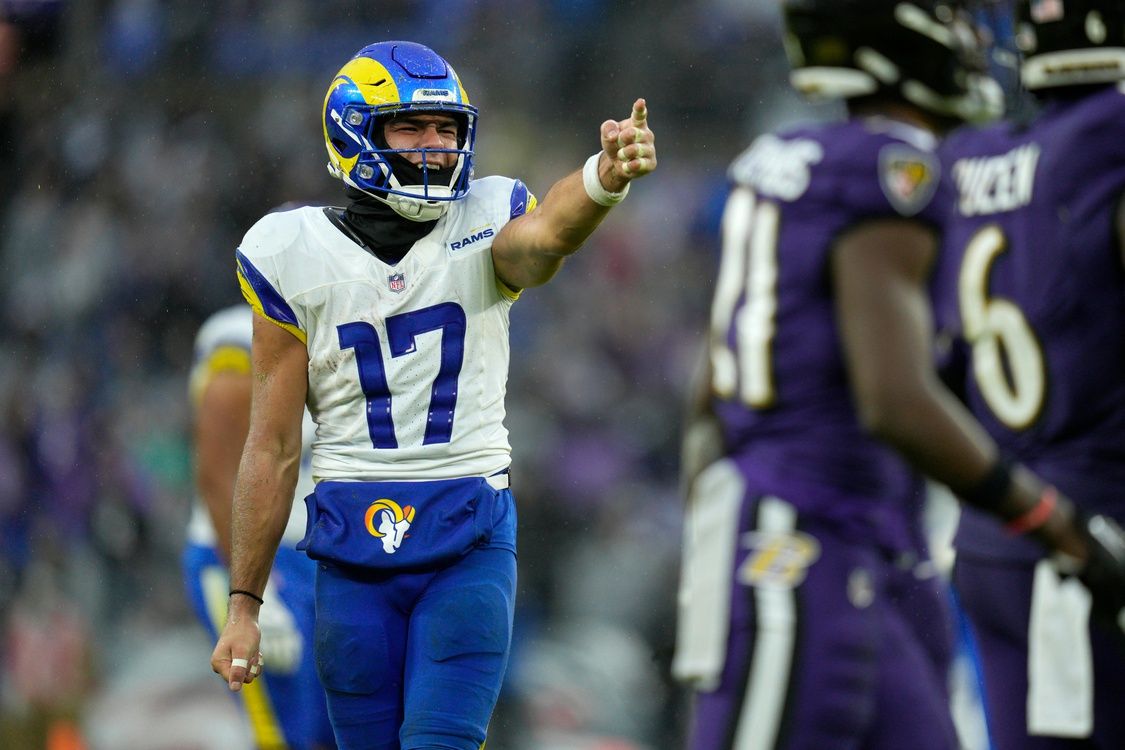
1060, 668
706, 575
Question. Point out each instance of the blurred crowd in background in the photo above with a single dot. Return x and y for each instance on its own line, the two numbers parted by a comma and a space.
139, 139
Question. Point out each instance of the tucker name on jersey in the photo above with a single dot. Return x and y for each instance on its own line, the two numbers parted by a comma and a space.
988, 185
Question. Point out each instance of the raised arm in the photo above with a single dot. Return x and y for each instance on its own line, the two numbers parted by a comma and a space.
529, 250
263, 495
702, 441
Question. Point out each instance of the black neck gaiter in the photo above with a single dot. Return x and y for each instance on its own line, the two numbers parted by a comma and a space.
385, 234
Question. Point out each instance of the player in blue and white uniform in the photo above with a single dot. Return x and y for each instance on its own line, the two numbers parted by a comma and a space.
287, 708
808, 618
389, 318
1033, 285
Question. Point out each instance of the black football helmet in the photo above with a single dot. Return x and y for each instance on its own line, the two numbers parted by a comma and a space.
1071, 42
924, 52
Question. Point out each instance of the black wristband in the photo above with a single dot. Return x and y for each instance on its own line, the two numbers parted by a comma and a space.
989, 493
250, 594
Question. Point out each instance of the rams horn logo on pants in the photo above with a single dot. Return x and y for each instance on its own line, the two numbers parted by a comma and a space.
388, 521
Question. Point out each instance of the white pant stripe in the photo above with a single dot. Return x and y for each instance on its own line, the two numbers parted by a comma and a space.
774, 640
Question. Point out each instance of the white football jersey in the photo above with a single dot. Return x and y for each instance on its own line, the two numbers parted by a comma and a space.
408, 363
223, 345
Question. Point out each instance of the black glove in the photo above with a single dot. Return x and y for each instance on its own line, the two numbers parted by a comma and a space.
1104, 571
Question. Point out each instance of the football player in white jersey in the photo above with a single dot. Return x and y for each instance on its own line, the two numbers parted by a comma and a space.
389, 318
287, 709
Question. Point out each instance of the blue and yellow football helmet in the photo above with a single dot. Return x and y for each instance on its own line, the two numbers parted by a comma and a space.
383, 80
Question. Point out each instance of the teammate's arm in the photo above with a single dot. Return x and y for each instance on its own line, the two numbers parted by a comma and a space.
702, 442
879, 272
222, 419
529, 250
263, 495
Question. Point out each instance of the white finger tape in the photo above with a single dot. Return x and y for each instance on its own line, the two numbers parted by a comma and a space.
255, 669
239, 663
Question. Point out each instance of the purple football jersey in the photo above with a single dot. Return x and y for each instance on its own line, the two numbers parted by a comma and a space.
779, 377
1031, 280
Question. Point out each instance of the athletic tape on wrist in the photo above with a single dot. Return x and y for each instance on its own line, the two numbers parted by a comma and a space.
593, 184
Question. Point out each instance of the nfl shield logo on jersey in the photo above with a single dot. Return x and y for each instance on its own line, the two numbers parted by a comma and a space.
397, 282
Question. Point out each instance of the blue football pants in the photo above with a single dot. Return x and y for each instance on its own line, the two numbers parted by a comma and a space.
415, 659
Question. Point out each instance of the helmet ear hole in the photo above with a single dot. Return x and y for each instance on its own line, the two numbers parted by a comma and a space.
338, 144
